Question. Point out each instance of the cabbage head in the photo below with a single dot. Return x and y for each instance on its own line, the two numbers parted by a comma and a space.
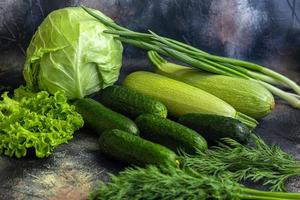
70, 52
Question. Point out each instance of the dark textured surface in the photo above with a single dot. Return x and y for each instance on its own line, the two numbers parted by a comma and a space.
266, 31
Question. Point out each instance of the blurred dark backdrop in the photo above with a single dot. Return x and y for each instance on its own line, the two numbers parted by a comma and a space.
265, 31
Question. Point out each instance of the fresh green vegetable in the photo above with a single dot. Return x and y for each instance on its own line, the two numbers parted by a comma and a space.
132, 149
23, 92
70, 52
202, 60
181, 98
216, 127
99, 118
169, 133
259, 163
246, 96
153, 183
41, 122
130, 102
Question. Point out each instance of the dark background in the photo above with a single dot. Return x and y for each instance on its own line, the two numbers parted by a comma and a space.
265, 31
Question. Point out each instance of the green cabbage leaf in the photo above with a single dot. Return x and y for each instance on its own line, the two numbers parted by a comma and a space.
70, 52
41, 122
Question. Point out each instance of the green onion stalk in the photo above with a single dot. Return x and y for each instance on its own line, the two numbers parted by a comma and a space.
202, 60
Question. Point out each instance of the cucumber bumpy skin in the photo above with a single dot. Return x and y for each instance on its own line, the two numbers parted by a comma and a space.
131, 103
99, 118
170, 134
134, 150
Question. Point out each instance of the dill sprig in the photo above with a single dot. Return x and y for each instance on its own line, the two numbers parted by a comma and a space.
154, 183
259, 162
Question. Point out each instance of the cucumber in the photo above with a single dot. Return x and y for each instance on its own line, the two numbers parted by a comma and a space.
181, 98
130, 103
169, 133
134, 150
99, 118
215, 127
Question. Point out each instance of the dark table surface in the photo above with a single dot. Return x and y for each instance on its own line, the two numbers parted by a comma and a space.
267, 32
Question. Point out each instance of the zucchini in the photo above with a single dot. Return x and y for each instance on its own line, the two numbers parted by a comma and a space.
170, 134
181, 98
215, 127
130, 103
134, 150
99, 118
246, 96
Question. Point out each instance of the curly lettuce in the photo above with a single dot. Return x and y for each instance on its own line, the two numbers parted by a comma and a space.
40, 121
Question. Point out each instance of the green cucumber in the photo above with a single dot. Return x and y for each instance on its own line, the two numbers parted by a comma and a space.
215, 127
130, 103
169, 133
134, 150
99, 118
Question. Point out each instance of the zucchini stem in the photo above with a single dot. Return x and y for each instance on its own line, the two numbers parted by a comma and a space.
249, 121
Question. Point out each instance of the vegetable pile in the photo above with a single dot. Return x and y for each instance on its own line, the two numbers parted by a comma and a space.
41, 122
72, 55
230, 162
202, 174
202, 60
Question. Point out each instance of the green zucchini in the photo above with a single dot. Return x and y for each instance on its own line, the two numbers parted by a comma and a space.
130, 103
181, 98
246, 96
169, 133
215, 127
134, 150
99, 118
